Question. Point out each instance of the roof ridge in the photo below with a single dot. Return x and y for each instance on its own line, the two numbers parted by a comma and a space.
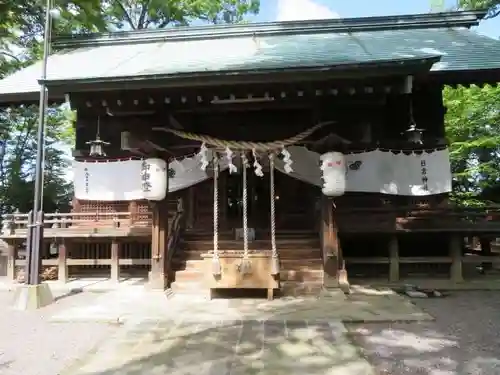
465, 19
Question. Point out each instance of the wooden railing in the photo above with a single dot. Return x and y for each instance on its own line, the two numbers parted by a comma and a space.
76, 224
418, 219
112, 253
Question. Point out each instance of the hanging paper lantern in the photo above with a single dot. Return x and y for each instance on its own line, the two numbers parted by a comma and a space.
334, 174
154, 179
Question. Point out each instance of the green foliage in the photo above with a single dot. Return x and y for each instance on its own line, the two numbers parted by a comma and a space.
17, 159
21, 36
98, 16
492, 5
473, 129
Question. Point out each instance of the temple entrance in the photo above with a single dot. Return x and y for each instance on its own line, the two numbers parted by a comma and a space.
292, 199
258, 200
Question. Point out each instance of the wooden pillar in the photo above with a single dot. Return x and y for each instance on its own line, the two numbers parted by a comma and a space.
485, 243
62, 264
115, 260
11, 261
132, 208
191, 207
159, 241
393, 258
330, 245
456, 258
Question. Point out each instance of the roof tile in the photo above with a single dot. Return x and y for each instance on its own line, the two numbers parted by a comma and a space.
461, 50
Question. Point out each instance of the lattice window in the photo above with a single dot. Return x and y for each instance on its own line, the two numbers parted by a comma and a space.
143, 211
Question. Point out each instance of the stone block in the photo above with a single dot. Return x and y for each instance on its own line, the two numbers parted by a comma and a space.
32, 297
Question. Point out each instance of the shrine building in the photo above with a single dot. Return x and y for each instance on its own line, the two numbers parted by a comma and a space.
284, 156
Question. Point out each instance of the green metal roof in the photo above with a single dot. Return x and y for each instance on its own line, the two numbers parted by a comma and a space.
229, 50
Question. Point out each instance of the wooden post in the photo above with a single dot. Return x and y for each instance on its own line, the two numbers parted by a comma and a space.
115, 260
330, 245
75, 205
159, 242
393, 258
11, 261
191, 203
456, 258
132, 208
62, 264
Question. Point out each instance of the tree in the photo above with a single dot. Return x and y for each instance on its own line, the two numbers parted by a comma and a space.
473, 130
493, 6
21, 34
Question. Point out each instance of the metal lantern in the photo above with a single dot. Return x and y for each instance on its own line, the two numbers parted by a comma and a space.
97, 145
414, 134
54, 248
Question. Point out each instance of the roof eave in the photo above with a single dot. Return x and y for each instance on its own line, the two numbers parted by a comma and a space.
389, 67
465, 19
478, 77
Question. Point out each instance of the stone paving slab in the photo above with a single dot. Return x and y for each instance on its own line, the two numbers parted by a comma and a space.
239, 347
139, 304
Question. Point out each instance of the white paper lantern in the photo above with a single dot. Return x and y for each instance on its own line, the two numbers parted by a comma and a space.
334, 174
157, 180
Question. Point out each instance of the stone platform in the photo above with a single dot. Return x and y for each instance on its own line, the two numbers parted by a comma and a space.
137, 303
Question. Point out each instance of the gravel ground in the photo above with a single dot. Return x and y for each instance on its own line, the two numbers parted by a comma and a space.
464, 339
31, 345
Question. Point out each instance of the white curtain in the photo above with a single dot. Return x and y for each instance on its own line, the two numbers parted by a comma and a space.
380, 171
367, 172
125, 180
120, 180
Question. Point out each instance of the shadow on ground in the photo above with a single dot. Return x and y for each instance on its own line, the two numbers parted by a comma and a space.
463, 339
236, 347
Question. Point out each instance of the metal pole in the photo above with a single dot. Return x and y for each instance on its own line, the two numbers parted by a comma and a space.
35, 232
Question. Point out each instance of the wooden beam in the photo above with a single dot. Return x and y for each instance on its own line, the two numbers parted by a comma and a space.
174, 123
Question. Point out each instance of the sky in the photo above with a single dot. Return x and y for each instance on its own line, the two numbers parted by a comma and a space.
291, 10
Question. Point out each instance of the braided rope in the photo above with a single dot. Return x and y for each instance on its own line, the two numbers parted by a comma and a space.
245, 206
216, 209
245, 145
273, 207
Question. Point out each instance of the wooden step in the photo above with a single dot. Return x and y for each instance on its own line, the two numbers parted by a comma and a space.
230, 235
304, 275
301, 254
287, 288
258, 244
286, 264
298, 288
